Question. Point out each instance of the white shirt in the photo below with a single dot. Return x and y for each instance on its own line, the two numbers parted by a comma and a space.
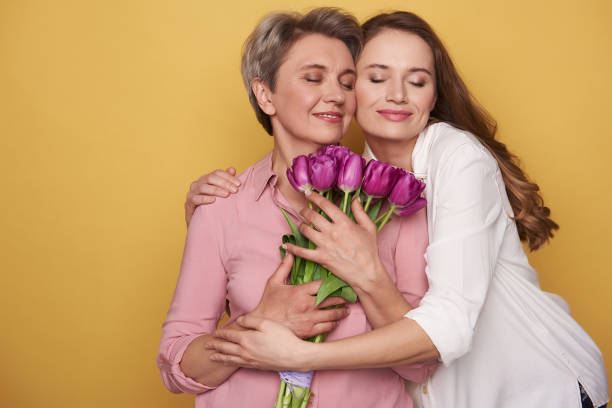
503, 342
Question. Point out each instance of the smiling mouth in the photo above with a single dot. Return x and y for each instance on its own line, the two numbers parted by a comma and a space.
394, 115
331, 117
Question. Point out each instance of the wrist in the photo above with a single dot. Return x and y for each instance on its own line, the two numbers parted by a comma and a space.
374, 282
304, 357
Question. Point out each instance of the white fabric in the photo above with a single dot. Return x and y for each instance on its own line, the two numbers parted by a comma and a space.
503, 341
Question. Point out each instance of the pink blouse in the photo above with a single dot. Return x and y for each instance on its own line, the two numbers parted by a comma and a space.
232, 248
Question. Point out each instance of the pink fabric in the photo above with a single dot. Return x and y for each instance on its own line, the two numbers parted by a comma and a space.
231, 250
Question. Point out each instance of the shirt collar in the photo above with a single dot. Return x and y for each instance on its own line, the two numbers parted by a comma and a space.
263, 176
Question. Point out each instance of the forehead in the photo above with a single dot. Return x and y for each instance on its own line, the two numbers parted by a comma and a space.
397, 49
319, 49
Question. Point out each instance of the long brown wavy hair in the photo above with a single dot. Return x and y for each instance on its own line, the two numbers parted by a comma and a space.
456, 106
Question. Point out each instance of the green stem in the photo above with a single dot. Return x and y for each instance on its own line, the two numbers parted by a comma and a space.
345, 202
386, 219
367, 205
306, 397
382, 216
287, 397
281, 394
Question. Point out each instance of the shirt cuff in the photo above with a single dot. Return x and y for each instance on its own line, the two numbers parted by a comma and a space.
172, 375
447, 338
417, 372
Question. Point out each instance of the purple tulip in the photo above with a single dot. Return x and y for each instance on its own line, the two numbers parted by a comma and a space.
339, 152
350, 173
406, 194
323, 171
298, 174
379, 178
412, 208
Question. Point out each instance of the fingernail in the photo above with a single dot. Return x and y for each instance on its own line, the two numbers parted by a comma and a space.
234, 189
284, 246
307, 192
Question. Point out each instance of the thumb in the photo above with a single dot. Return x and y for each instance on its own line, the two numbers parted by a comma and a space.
282, 272
251, 322
361, 216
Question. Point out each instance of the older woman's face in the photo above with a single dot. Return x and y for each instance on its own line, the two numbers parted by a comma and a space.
314, 100
396, 87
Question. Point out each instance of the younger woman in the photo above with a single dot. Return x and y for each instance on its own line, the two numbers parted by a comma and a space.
502, 340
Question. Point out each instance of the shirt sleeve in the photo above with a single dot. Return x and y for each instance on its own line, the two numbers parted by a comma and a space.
199, 299
411, 281
469, 223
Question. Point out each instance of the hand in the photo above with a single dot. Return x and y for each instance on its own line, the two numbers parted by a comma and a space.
294, 305
348, 249
258, 343
219, 183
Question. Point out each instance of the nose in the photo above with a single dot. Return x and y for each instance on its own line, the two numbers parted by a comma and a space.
334, 93
396, 91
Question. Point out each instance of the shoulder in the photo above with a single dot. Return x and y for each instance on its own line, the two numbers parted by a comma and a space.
223, 208
450, 146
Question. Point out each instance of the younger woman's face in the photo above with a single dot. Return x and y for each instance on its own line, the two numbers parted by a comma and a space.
314, 101
395, 88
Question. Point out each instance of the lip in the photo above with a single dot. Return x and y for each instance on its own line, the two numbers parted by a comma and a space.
394, 115
330, 116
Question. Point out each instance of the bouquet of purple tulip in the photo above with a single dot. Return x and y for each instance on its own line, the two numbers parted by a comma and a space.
340, 176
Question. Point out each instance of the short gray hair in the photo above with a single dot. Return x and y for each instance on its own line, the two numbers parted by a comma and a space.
265, 49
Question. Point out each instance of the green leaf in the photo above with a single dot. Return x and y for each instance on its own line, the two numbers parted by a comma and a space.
329, 285
349, 294
310, 266
309, 271
299, 238
375, 209
316, 275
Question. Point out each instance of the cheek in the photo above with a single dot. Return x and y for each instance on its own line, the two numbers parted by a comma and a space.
427, 101
351, 104
363, 95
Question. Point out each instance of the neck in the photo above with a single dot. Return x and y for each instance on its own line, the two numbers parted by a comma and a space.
285, 149
397, 153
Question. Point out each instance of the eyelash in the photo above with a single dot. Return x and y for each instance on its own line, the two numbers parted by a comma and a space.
378, 81
316, 80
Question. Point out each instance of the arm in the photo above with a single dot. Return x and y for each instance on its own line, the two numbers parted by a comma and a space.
267, 345
197, 306
467, 233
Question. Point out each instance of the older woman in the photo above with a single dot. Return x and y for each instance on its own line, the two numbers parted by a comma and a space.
299, 72
503, 341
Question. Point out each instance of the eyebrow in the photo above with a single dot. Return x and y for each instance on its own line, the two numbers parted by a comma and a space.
413, 69
324, 68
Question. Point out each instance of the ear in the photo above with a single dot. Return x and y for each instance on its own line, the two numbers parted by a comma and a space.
264, 96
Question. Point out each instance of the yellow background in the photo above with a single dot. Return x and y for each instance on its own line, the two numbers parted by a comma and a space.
109, 109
